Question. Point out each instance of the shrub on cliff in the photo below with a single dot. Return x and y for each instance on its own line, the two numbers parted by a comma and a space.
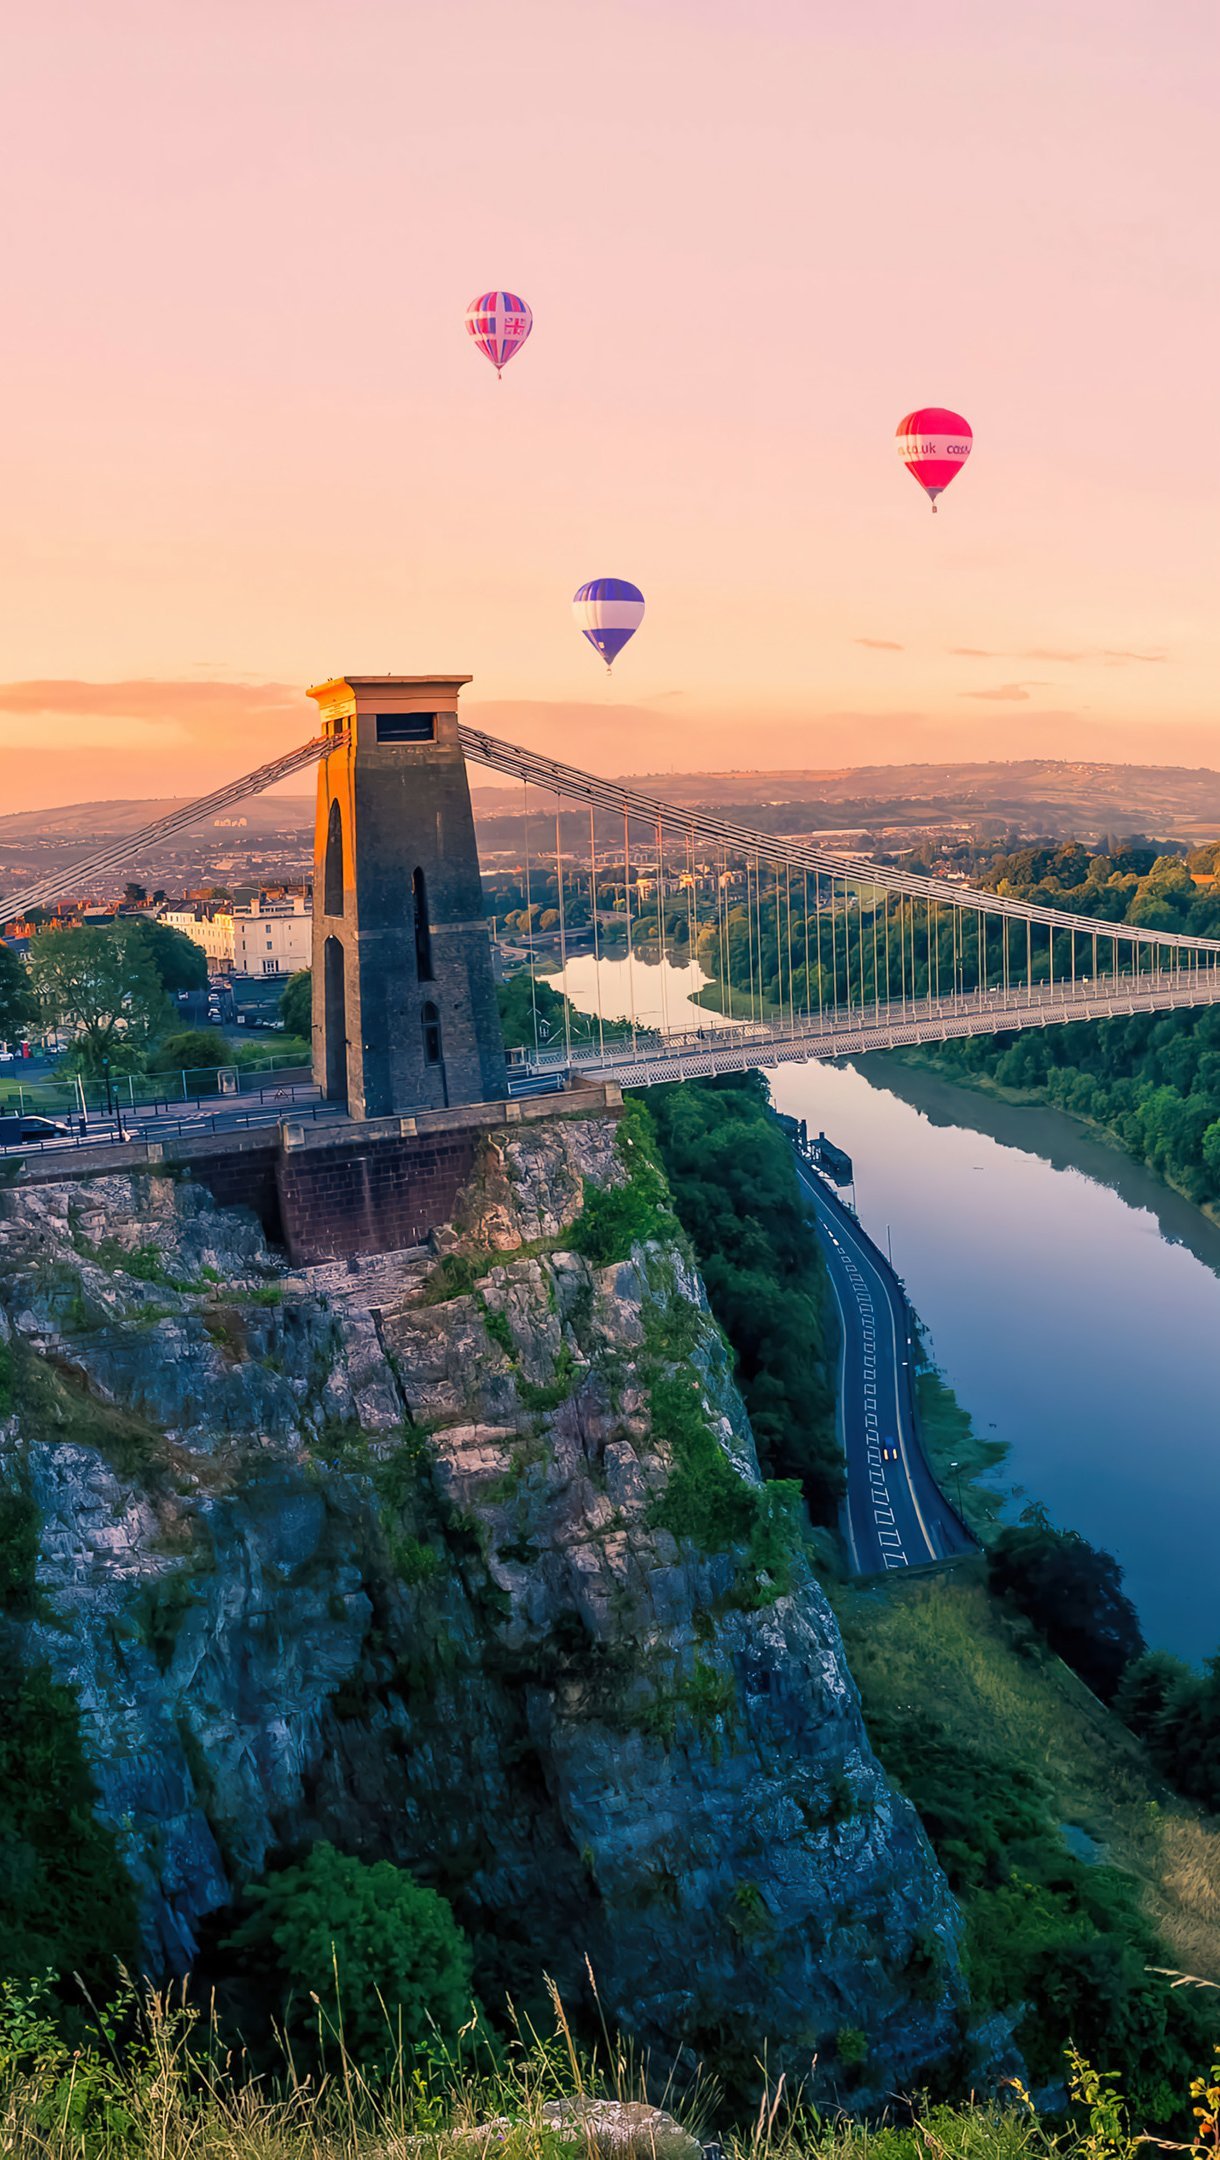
616, 1217
1176, 1712
359, 1951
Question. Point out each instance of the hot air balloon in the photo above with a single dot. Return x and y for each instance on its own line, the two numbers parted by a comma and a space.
499, 323
609, 611
934, 444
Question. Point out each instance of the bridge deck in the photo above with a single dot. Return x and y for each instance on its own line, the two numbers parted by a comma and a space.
650, 1057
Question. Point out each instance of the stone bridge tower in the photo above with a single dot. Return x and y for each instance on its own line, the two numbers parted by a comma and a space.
405, 1012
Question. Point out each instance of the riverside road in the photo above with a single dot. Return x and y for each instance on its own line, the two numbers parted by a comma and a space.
895, 1514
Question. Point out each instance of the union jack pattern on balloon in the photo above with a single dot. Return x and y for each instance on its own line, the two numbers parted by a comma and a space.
499, 323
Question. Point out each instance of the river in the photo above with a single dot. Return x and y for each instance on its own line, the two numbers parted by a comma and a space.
1071, 1299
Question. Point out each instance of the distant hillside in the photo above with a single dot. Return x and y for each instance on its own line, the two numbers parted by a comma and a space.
1036, 794
262, 814
1044, 793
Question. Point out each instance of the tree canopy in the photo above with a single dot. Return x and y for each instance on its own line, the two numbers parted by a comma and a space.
16, 1000
1073, 1594
190, 1050
1176, 1712
392, 1949
103, 988
296, 1004
180, 963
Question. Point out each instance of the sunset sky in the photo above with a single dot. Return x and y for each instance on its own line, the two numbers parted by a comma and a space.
248, 443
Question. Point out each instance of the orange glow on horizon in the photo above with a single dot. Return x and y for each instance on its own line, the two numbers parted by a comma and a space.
250, 443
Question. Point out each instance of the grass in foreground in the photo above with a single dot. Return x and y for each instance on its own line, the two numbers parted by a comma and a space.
159, 2085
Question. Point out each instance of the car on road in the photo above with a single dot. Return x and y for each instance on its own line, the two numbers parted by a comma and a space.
15, 1129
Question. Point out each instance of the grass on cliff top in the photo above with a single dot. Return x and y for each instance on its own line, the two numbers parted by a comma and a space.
942, 1650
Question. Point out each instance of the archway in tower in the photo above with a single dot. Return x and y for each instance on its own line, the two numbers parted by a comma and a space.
334, 994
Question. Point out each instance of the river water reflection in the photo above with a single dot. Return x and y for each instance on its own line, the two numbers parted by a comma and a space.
1072, 1301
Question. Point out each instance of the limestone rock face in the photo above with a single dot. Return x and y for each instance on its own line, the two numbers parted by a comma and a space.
388, 1556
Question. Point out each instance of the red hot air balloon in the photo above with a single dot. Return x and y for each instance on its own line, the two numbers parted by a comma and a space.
934, 444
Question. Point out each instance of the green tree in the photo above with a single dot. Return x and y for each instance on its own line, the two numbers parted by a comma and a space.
1073, 1594
16, 1001
296, 1004
1178, 1713
180, 963
103, 989
189, 1050
402, 1962
1146, 1688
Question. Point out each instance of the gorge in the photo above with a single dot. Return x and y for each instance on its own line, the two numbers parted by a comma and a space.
461, 1558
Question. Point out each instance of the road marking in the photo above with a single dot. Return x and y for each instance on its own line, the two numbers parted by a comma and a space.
864, 1295
885, 1529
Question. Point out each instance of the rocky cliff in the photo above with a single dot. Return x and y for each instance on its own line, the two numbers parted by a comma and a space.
463, 1558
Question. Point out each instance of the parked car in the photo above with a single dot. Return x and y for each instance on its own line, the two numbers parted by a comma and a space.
14, 1129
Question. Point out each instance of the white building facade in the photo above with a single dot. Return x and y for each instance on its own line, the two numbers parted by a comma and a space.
272, 934
257, 934
210, 928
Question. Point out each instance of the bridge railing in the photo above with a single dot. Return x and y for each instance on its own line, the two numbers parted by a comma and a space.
61, 1093
894, 1022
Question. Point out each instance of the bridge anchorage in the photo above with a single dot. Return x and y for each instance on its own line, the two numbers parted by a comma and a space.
811, 954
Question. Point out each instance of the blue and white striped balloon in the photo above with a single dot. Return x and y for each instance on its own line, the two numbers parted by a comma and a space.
609, 611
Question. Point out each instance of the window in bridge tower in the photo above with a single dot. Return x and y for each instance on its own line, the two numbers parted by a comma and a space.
432, 1034
423, 928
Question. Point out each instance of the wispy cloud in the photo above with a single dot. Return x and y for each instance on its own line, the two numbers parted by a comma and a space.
1105, 655
1009, 693
879, 644
185, 707
1109, 656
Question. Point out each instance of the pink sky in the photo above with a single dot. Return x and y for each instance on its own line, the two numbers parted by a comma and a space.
249, 444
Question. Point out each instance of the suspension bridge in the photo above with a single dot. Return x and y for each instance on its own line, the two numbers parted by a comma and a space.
809, 953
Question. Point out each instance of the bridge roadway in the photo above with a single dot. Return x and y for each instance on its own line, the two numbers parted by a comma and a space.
895, 1515
649, 1057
